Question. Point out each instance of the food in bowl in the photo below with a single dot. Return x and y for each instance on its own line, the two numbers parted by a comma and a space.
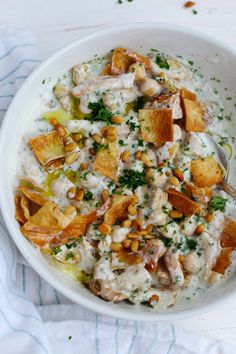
117, 186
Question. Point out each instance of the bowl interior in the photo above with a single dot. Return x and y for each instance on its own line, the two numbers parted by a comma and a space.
214, 60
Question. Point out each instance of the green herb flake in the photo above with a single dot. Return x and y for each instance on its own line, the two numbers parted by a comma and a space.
70, 337
122, 143
167, 241
132, 179
162, 62
218, 203
100, 112
195, 12
88, 196
69, 256
139, 103
57, 250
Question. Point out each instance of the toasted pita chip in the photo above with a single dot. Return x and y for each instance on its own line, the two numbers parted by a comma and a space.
54, 165
76, 228
122, 59
32, 195
19, 213
182, 203
202, 195
106, 70
223, 260
184, 93
228, 235
106, 161
156, 125
193, 116
44, 225
25, 205
206, 172
47, 147
118, 209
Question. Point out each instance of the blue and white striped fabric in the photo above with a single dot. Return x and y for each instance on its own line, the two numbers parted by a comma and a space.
35, 318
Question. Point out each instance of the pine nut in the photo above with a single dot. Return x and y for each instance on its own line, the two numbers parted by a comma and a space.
97, 138
104, 228
134, 246
79, 194
175, 214
111, 131
126, 243
149, 228
71, 193
146, 160
181, 258
149, 237
199, 229
189, 4
138, 155
111, 138
83, 166
71, 158
125, 155
104, 131
167, 173
136, 224
209, 217
174, 181
117, 119
132, 210
154, 298
77, 137
116, 247
53, 121
70, 147
92, 151
126, 223
179, 174
132, 236
105, 194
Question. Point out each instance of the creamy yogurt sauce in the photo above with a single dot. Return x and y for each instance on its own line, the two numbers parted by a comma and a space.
148, 249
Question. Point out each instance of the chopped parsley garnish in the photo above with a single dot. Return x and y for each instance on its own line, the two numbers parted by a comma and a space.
218, 203
140, 142
132, 126
88, 195
122, 143
191, 244
97, 147
100, 112
139, 103
162, 62
69, 337
70, 245
132, 179
69, 256
190, 62
167, 241
194, 12
57, 250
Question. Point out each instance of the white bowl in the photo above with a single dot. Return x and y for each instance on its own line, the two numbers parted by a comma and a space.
215, 60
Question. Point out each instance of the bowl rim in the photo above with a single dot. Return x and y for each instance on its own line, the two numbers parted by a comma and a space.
101, 307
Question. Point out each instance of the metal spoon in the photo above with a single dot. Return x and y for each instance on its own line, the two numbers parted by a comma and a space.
224, 162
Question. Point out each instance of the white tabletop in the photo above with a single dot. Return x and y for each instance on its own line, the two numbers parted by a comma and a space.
56, 23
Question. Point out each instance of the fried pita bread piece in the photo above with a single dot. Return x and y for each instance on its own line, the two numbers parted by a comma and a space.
25, 205
54, 165
118, 209
122, 59
156, 125
19, 212
223, 260
106, 161
202, 195
206, 172
32, 195
193, 111
228, 235
182, 202
47, 147
79, 224
45, 224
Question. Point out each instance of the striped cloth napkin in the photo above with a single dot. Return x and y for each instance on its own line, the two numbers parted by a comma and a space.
34, 317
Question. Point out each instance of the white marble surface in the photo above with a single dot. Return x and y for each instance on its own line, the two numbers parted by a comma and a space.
56, 23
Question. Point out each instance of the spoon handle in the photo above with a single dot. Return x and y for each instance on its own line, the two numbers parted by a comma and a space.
228, 189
